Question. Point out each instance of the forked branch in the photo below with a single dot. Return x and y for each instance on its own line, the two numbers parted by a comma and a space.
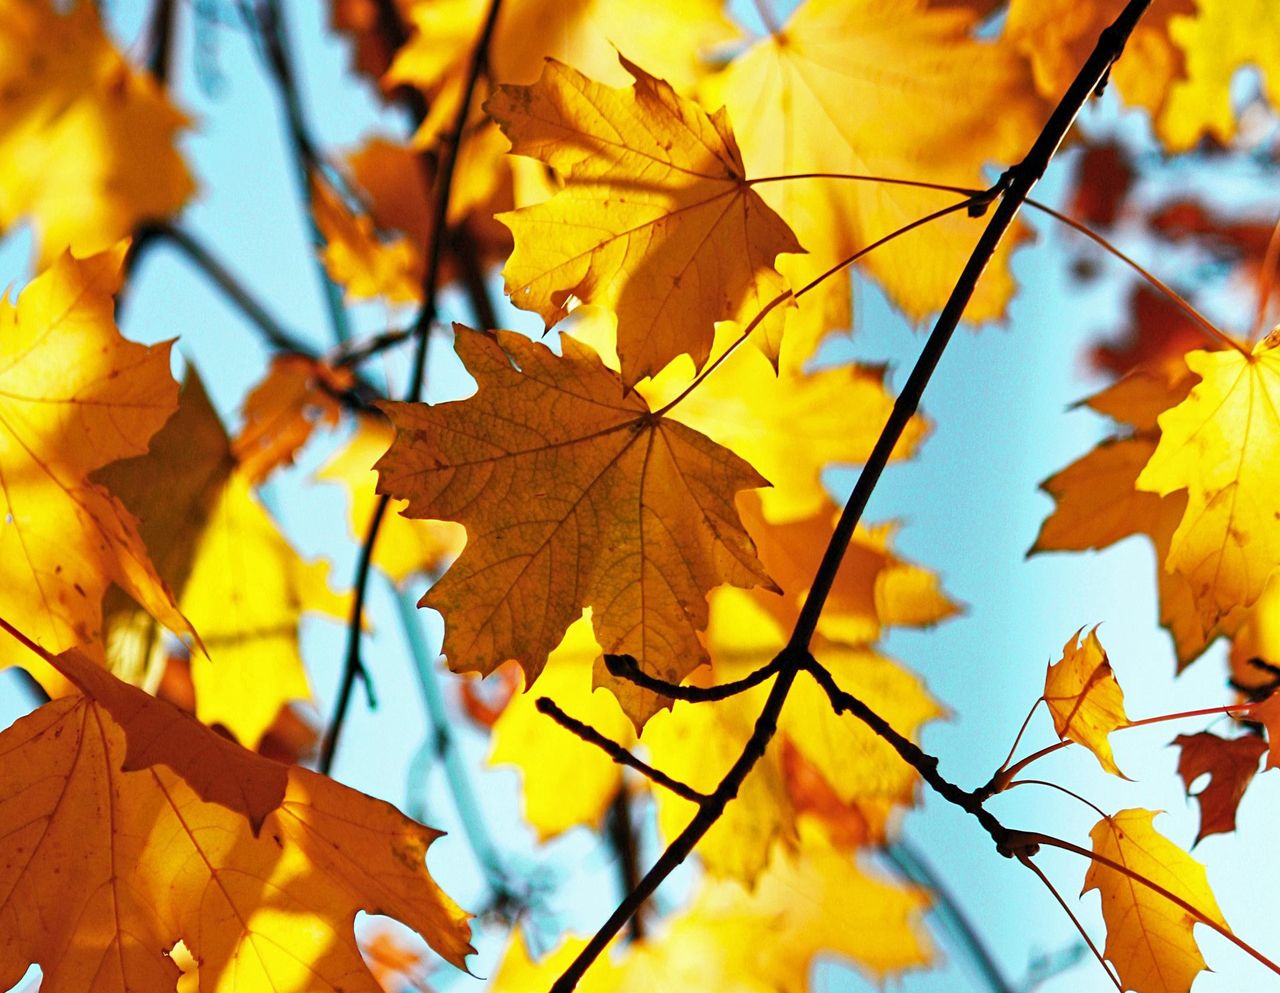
1016, 186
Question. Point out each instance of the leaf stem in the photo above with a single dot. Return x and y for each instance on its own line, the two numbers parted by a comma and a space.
1003, 775
1137, 877
1266, 280
858, 177
1030, 864
796, 295
1214, 333
1061, 789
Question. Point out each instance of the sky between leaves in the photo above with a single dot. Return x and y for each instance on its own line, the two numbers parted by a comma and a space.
636, 505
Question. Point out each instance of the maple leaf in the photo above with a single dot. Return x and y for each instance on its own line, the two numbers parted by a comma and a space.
124, 819
1217, 41
366, 266
1212, 445
237, 577
74, 396
811, 903
573, 495
789, 424
1084, 698
566, 782
86, 142
528, 32
281, 412
1058, 35
1097, 503
920, 99
1230, 763
406, 546
1149, 938
657, 220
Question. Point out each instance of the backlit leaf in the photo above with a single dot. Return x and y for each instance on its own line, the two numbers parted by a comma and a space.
1149, 938
657, 220
1084, 697
573, 496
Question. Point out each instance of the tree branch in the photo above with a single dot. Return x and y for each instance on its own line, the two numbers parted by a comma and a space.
1013, 190
616, 752
353, 667
626, 667
269, 23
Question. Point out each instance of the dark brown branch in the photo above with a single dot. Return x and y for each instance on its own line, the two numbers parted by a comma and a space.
353, 667
622, 839
911, 753
616, 752
1014, 188
160, 37
626, 667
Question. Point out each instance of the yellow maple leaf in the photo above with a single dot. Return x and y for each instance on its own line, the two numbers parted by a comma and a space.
898, 67
1149, 938
85, 141
74, 396
789, 424
573, 495
1058, 35
159, 830
567, 782
405, 546
814, 902
1217, 445
1084, 698
1220, 38
238, 577
657, 220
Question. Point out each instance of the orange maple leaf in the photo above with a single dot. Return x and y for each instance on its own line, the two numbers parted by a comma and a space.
128, 826
573, 495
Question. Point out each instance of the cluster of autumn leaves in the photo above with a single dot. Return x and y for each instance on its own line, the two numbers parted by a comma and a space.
684, 212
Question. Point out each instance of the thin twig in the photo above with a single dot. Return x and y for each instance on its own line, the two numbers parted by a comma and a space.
1014, 188
353, 667
626, 667
1061, 789
616, 752
1030, 864
272, 331
621, 831
160, 38
268, 20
